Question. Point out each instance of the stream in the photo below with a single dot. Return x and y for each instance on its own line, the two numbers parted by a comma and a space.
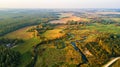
84, 58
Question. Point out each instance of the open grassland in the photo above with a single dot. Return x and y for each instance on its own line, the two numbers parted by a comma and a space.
50, 57
26, 50
52, 34
27, 45
21, 34
111, 28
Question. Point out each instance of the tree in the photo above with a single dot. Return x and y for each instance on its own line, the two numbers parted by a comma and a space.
8, 57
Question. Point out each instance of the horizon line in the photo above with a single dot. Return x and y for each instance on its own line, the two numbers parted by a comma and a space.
59, 8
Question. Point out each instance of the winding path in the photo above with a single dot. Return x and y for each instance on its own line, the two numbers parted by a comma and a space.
111, 62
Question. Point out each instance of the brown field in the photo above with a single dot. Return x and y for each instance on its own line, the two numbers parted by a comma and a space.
21, 33
62, 15
69, 18
75, 18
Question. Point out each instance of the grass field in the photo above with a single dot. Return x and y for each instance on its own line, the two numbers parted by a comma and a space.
50, 57
111, 28
26, 49
53, 57
52, 34
21, 33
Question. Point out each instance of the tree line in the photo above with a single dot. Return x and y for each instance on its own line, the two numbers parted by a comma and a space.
10, 23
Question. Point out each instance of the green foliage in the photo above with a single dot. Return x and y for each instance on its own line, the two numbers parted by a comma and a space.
8, 57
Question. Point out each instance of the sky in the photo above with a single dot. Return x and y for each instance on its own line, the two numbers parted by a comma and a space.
59, 3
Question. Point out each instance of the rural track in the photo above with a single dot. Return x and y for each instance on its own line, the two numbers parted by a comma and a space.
111, 62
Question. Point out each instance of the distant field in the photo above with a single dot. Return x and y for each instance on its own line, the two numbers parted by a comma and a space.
108, 12
21, 33
116, 19
69, 17
62, 15
74, 18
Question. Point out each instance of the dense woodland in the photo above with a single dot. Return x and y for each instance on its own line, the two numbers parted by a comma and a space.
10, 42
8, 57
16, 19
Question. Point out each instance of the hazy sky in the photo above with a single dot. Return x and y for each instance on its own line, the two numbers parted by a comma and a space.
59, 3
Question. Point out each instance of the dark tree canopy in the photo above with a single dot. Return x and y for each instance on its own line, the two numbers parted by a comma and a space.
8, 57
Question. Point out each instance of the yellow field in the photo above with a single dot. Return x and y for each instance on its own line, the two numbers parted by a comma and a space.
20, 34
52, 34
73, 18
